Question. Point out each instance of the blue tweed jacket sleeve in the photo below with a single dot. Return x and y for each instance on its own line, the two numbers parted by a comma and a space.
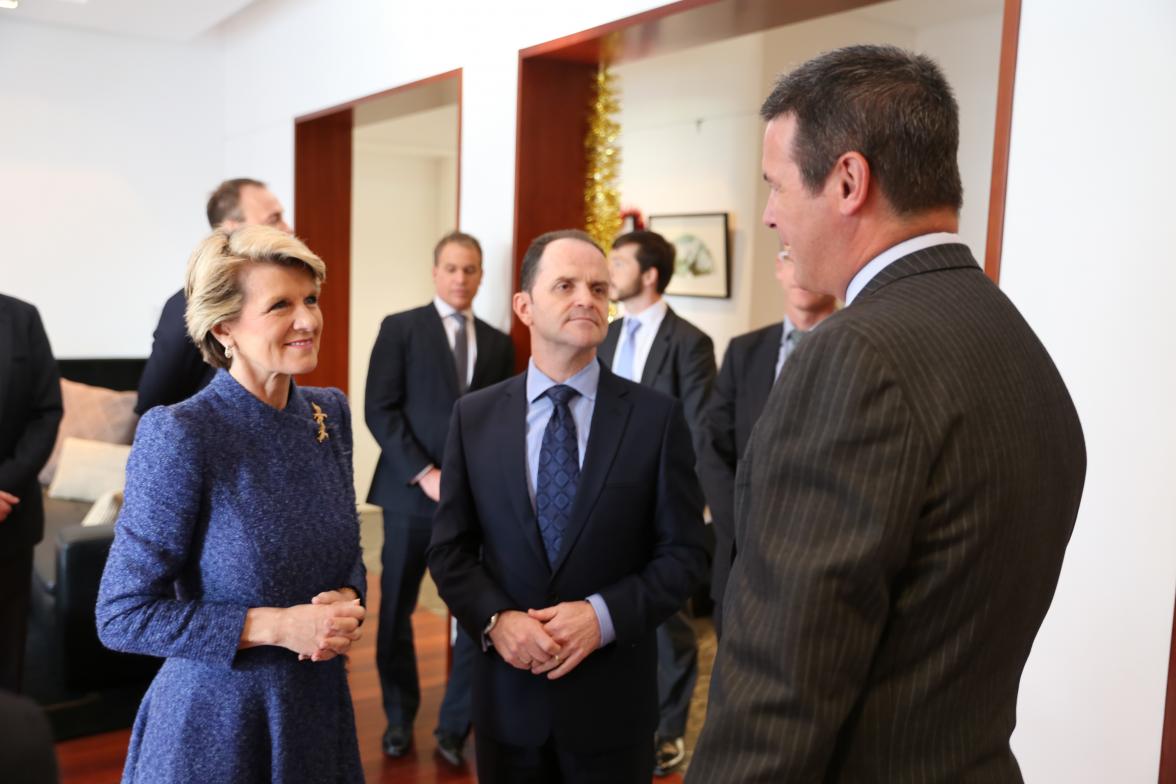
138, 609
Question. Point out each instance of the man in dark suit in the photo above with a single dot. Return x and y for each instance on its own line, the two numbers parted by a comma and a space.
424, 360
656, 347
751, 366
175, 370
570, 526
30, 411
906, 498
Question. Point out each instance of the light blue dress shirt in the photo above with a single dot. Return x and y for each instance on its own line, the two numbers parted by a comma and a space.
539, 410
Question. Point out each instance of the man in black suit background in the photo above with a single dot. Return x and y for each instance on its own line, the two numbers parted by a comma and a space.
175, 370
30, 411
654, 346
423, 360
570, 526
750, 368
906, 498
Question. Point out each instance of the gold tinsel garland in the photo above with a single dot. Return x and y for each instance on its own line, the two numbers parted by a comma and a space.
602, 199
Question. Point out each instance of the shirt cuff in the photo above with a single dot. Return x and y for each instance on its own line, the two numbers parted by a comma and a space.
604, 618
416, 479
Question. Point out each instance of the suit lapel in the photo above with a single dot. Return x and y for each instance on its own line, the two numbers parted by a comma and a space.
608, 348
439, 346
609, 418
938, 257
6, 330
660, 348
761, 369
512, 439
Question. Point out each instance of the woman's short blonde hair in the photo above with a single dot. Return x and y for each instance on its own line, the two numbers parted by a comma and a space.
214, 278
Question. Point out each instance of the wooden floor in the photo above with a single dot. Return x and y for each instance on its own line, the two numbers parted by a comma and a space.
98, 759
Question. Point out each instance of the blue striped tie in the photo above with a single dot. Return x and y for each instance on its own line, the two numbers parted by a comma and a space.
559, 471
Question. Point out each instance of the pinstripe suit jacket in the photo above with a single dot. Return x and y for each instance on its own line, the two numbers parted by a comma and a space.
901, 515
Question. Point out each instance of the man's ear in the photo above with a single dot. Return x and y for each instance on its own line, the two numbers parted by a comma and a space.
852, 181
649, 277
520, 303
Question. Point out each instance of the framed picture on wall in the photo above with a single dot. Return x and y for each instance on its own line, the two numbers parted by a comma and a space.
702, 264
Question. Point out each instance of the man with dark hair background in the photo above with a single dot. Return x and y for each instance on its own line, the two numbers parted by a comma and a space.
906, 497
654, 346
423, 360
175, 370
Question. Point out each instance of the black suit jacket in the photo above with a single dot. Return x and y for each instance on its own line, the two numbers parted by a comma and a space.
902, 511
739, 395
411, 388
30, 411
635, 537
175, 370
681, 364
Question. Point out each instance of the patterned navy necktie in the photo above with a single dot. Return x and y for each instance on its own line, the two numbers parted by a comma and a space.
559, 471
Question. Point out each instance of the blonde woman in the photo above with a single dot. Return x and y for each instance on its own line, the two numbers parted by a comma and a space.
236, 556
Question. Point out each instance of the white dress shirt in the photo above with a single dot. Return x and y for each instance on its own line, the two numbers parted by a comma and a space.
446, 310
893, 254
651, 319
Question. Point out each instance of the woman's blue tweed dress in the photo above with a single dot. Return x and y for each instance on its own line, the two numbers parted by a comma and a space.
232, 504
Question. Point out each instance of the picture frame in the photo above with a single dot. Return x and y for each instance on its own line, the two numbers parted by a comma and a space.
702, 265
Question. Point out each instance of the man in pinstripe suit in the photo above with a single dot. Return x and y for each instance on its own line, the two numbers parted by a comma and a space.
906, 498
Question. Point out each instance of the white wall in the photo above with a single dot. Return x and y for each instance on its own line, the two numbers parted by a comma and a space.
690, 133
403, 191
111, 146
1088, 258
369, 46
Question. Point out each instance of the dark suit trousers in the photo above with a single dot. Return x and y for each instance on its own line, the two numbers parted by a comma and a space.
405, 540
677, 672
501, 763
16, 574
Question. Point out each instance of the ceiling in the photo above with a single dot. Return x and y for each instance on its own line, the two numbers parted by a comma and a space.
167, 20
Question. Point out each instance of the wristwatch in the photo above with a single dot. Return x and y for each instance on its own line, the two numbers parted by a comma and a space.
486, 642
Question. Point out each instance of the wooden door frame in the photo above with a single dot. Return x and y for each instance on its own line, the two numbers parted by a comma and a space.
322, 214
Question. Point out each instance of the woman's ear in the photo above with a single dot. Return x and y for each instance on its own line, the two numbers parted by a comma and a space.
223, 333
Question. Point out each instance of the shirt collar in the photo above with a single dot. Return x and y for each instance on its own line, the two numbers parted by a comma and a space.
893, 254
789, 328
651, 315
585, 382
446, 310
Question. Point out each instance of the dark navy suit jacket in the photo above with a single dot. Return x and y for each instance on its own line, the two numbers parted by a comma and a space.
411, 388
738, 399
175, 370
635, 537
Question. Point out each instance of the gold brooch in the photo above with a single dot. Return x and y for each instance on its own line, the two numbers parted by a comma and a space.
320, 417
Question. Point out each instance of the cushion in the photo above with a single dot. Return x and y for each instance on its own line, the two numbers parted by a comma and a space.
87, 469
105, 509
93, 413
